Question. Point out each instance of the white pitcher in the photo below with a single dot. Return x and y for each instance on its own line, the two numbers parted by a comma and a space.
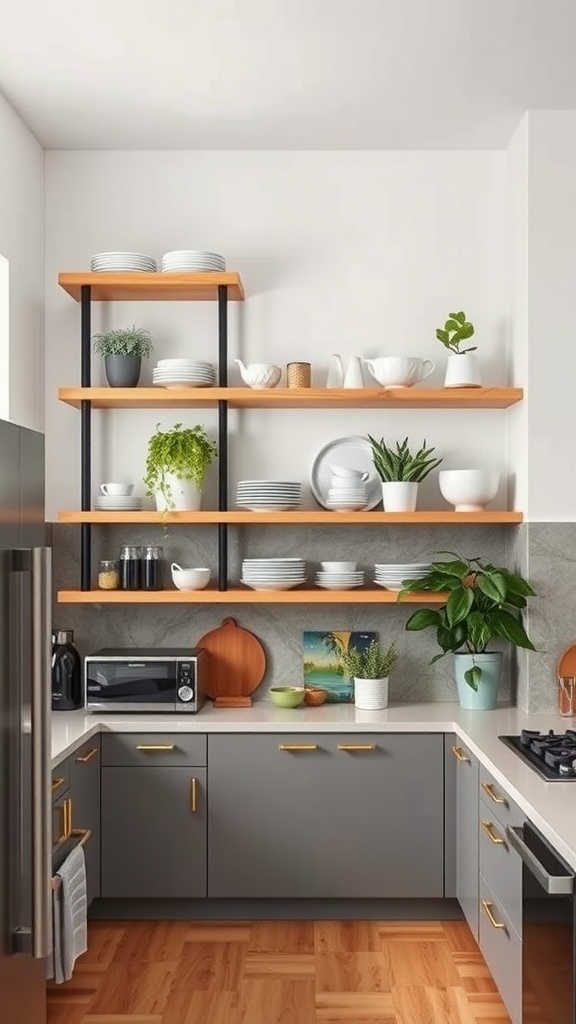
354, 378
335, 378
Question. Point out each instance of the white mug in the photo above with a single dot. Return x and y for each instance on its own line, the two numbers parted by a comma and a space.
115, 490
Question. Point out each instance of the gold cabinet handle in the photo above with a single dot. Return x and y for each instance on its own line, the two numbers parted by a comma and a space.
297, 748
489, 830
193, 788
87, 757
359, 748
66, 820
159, 748
459, 754
489, 790
56, 783
489, 914
68, 826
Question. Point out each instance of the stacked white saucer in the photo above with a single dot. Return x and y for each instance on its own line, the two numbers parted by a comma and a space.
117, 503
269, 495
392, 574
115, 262
191, 260
339, 576
273, 573
184, 373
348, 491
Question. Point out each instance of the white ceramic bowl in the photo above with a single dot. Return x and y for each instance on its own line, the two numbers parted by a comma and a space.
469, 490
189, 579
355, 475
338, 566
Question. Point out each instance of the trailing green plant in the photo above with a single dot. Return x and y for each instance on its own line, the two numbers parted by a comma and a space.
485, 602
376, 662
187, 452
126, 341
456, 330
402, 464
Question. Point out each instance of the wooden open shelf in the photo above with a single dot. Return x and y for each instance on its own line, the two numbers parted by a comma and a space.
300, 516
293, 398
141, 287
241, 595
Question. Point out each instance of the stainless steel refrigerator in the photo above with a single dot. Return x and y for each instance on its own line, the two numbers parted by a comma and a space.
25, 628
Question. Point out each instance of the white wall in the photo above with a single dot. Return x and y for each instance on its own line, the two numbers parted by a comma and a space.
22, 244
518, 304
339, 252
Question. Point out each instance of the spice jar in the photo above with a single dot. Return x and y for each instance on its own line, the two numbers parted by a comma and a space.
152, 567
130, 570
108, 574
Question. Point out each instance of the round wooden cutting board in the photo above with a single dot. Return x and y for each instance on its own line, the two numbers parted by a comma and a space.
236, 664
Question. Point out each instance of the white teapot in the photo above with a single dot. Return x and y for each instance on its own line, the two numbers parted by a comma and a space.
259, 375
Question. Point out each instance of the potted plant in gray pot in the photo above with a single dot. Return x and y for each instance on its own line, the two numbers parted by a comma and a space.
123, 351
484, 603
400, 471
176, 466
369, 670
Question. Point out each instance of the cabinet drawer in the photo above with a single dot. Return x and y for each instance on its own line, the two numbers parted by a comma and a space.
169, 750
60, 780
502, 950
500, 865
501, 805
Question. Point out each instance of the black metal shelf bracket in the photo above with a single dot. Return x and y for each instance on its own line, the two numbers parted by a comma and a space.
222, 436
85, 438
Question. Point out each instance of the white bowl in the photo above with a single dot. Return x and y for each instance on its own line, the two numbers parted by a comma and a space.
469, 490
189, 579
338, 566
344, 473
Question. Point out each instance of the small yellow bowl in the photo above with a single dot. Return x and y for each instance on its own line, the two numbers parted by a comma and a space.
287, 696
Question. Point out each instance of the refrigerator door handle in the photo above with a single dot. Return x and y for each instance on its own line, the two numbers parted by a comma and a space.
41, 749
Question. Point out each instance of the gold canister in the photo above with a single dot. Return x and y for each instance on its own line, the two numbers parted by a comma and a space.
298, 375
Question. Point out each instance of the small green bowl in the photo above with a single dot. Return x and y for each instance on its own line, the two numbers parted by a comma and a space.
287, 696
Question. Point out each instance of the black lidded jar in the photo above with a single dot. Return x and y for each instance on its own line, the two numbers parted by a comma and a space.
152, 567
66, 672
130, 567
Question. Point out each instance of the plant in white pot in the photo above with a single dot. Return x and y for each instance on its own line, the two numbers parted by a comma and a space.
176, 466
462, 370
370, 669
123, 351
484, 603
400, 471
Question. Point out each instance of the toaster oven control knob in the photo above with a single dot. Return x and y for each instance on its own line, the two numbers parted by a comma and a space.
185, 693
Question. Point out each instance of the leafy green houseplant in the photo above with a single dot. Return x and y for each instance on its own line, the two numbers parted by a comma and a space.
400, 471
484, 603
176, 466
123, 351
462, 369
369, 669
456, 330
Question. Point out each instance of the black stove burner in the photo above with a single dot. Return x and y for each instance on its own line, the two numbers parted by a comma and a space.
552, 755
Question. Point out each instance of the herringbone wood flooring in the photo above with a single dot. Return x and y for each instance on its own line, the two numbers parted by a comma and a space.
278, 972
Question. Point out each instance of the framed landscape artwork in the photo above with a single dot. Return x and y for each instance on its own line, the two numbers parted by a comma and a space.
323, 666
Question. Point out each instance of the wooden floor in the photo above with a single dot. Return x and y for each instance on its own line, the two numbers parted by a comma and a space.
278, 972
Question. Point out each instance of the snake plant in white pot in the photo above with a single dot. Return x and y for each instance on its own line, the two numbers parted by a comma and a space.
400, 471
369, 670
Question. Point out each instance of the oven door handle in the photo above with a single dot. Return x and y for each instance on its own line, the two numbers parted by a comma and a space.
556, 885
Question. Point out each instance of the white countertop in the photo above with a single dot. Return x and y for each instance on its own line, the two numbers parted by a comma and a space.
551, 806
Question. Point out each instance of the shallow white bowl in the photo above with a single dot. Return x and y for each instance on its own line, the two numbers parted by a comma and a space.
189, 579
469, 490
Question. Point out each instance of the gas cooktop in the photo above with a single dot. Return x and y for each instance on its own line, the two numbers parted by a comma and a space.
551, 754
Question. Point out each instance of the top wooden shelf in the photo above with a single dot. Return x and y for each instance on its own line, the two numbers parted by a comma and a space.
140, 287
294, 398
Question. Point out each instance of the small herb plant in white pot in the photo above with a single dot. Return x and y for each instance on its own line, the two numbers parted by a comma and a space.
123, 351
462, 370
176, 466
370, 669
400, 471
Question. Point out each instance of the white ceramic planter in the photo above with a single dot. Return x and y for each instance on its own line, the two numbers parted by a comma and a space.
462, 371
371, 694
399, 496
185, 495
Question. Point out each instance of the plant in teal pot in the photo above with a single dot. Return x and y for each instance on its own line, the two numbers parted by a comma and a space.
484, 604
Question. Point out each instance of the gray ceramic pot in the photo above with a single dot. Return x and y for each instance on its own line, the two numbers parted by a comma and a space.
123, 371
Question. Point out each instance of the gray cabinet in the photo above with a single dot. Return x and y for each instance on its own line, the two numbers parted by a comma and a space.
153, 832
85, 807
501, 947
467, 833
326, 816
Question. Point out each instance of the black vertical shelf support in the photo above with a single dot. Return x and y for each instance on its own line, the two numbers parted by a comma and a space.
85, 439
222, 436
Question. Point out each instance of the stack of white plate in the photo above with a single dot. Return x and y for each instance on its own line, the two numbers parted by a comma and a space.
268, 495
347, 496
191, 260
184, 373
116, 262
391, 575
273, 573
339, 580
117, 503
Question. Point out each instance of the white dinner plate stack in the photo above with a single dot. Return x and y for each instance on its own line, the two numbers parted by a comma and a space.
117, 503
269, 495
184, 373
182, 261
339, 580
273, 573
391, 575
117, 262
